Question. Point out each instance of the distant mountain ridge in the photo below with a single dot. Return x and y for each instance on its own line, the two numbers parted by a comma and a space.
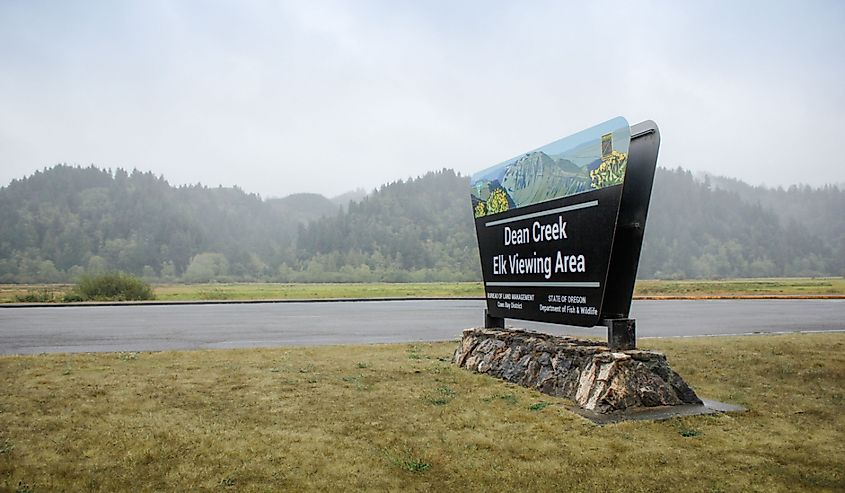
308, 206
304, 206
346, 198
63, 221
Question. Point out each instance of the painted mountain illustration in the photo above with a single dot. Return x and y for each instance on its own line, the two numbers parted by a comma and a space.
581, 155
588, 160
536, 177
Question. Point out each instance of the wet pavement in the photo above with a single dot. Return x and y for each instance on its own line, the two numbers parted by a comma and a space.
168, 327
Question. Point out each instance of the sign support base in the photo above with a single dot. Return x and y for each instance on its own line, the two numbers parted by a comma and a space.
491, 322
621, 333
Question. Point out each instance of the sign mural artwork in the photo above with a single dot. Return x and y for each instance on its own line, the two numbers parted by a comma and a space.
549, 224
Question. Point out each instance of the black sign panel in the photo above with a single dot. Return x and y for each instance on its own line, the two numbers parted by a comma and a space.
548, 262
546, 223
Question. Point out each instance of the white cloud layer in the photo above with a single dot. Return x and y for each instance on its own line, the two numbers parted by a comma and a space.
329, 96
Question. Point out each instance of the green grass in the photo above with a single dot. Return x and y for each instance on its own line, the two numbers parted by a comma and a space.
13, 293
255, 291
743, 287
371, 418
29, 293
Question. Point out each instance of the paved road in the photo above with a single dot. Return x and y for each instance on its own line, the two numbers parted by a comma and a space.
153, 328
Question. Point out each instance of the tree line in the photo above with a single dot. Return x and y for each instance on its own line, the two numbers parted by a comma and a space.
64, 221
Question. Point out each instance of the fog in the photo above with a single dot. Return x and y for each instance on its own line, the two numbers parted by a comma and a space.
327, 97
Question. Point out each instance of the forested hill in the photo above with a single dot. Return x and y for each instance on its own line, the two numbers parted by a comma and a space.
63, 221
407, 230
703, 229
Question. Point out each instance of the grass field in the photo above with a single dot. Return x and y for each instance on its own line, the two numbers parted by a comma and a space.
251, 291
11, 293
401, 417
743, 287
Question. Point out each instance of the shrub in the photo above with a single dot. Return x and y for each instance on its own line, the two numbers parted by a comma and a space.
111, 286
36, 296
72, 297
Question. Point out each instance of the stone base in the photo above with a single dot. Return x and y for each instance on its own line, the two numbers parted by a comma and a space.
586, 372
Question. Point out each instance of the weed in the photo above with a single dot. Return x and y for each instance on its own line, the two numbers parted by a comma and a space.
6, 447
23, 488
227, 482
509, 398
409, 463
362, 365
72, 298
414, 353
538, 406
415, 465
689, 432
275, 370
127, 355
445, 390
442, 396
357, 380
36, 296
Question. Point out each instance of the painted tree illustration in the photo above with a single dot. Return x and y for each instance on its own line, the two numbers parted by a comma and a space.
498, 202
611, 171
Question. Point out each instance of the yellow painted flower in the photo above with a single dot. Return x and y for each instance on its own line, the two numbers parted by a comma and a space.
498, 202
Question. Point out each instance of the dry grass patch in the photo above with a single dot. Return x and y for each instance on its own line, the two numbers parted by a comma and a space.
784, 286
279, 291
11, 293
401, 417
33, 293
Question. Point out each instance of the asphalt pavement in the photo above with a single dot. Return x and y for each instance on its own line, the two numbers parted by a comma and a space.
171, 327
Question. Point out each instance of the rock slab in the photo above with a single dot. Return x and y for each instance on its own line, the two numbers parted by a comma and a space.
586, 372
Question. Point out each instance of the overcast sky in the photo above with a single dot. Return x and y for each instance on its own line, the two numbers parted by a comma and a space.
279, 97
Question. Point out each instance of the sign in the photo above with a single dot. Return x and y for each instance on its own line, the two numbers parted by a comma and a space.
546, 222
